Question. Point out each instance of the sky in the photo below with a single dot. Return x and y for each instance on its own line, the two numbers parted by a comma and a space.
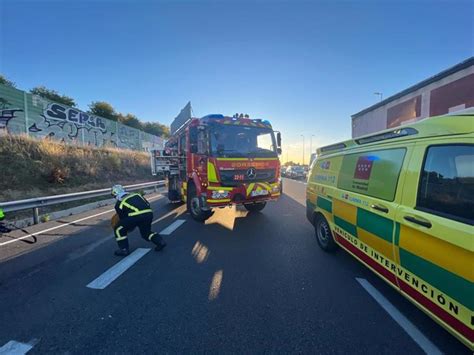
306, 66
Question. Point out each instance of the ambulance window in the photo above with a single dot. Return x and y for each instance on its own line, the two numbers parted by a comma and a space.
373, 173
447, 182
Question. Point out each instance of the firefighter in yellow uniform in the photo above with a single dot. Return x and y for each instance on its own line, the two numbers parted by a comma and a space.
133, 210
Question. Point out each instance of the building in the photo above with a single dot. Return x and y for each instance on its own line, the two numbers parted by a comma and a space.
449, 91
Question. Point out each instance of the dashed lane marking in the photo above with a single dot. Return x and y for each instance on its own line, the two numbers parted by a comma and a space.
172, 227
16, 348
65, 224
423, 342
118, 269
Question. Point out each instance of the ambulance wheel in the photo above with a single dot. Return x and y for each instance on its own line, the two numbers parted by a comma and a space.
255, 207
194, 205
323, 234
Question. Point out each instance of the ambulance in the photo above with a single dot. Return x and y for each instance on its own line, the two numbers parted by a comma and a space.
401, 201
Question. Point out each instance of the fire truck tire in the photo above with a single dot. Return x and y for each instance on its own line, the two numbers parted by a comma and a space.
255, 207
193, 205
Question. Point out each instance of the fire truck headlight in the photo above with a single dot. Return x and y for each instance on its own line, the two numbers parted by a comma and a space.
275, 188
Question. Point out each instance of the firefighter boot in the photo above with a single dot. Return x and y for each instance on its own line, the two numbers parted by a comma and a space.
158, 241
123, 247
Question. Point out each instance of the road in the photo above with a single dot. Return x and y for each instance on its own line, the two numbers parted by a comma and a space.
242, 283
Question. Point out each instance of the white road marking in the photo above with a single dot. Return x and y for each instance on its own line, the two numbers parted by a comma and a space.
423, 342
16, 348
118, 269
65, 224
172, 227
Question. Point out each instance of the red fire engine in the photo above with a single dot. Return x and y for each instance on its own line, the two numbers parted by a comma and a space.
217, 161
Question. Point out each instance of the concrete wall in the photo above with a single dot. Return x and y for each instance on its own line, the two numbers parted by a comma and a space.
376, 120
24, 113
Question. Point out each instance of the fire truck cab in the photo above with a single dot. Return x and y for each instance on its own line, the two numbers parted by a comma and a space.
218, 161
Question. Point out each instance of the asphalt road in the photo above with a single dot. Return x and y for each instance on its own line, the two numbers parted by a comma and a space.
241, 283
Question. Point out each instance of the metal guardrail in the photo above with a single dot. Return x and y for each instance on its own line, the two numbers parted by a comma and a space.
37, 202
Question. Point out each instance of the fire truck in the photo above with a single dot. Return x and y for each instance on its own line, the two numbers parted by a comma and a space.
218, 161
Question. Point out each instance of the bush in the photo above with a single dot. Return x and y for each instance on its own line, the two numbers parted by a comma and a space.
32, 167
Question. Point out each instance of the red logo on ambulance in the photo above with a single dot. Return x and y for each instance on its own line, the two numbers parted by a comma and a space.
363, 168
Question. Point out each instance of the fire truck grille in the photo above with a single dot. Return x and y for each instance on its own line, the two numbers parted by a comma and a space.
237, 177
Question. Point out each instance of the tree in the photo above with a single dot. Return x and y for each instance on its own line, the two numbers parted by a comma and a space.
5, 81
103, 109
131, 121
53, 96
157, 129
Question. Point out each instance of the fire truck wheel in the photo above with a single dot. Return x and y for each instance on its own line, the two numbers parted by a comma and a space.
255, 207
194, 206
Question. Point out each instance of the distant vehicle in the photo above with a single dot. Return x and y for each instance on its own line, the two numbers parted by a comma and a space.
296, 172
402, 202
285, 170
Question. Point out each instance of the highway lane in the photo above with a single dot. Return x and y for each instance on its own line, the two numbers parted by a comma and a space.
239, 283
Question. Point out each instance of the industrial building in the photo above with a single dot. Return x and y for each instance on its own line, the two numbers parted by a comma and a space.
449, 91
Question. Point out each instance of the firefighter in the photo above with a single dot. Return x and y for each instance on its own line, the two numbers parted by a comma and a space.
133, 210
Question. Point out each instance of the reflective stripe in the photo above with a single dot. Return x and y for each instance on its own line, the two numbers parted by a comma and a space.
137, 212
124, 202
151, 236
119, 237
216, 201
250, 188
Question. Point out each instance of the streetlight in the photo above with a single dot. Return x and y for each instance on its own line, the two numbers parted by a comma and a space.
380, 94
311, 144
303, 147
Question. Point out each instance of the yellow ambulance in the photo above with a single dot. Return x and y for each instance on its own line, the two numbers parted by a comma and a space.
401, 201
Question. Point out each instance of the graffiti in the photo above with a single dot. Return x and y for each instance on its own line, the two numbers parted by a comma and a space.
49, 120
5, 116
70, 125
67, 114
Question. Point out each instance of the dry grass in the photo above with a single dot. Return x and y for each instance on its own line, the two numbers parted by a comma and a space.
31, 167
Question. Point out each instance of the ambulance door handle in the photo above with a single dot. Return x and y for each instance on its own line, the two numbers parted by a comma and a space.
415, 220
380, 208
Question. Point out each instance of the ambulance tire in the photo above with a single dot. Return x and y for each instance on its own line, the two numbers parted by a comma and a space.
193, 205
323, 234
255, 207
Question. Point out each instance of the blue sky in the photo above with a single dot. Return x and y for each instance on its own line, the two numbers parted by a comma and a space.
304, 65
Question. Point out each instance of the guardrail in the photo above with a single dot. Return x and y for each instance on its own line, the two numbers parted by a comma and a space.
37, 202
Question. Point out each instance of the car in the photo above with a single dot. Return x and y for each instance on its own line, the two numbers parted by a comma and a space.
284, 171
296, 172
401, 201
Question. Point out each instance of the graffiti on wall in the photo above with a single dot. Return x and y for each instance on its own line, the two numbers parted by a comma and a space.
6, 114
22, 112
72, 126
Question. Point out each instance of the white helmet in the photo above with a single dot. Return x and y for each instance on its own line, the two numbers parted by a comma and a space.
117, 191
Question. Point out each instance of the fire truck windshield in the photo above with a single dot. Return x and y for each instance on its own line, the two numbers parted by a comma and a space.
242, 141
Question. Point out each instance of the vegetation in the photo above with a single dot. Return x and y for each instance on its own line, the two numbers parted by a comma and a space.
103, 109
5, 81
32, 167
53, 96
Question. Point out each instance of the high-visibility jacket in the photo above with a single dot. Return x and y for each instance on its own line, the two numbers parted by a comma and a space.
132, 205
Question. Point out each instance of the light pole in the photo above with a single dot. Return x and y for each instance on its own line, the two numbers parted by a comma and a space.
380, 94
303, 147
311, 144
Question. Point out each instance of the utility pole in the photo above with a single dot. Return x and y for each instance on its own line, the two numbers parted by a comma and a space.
303, 147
